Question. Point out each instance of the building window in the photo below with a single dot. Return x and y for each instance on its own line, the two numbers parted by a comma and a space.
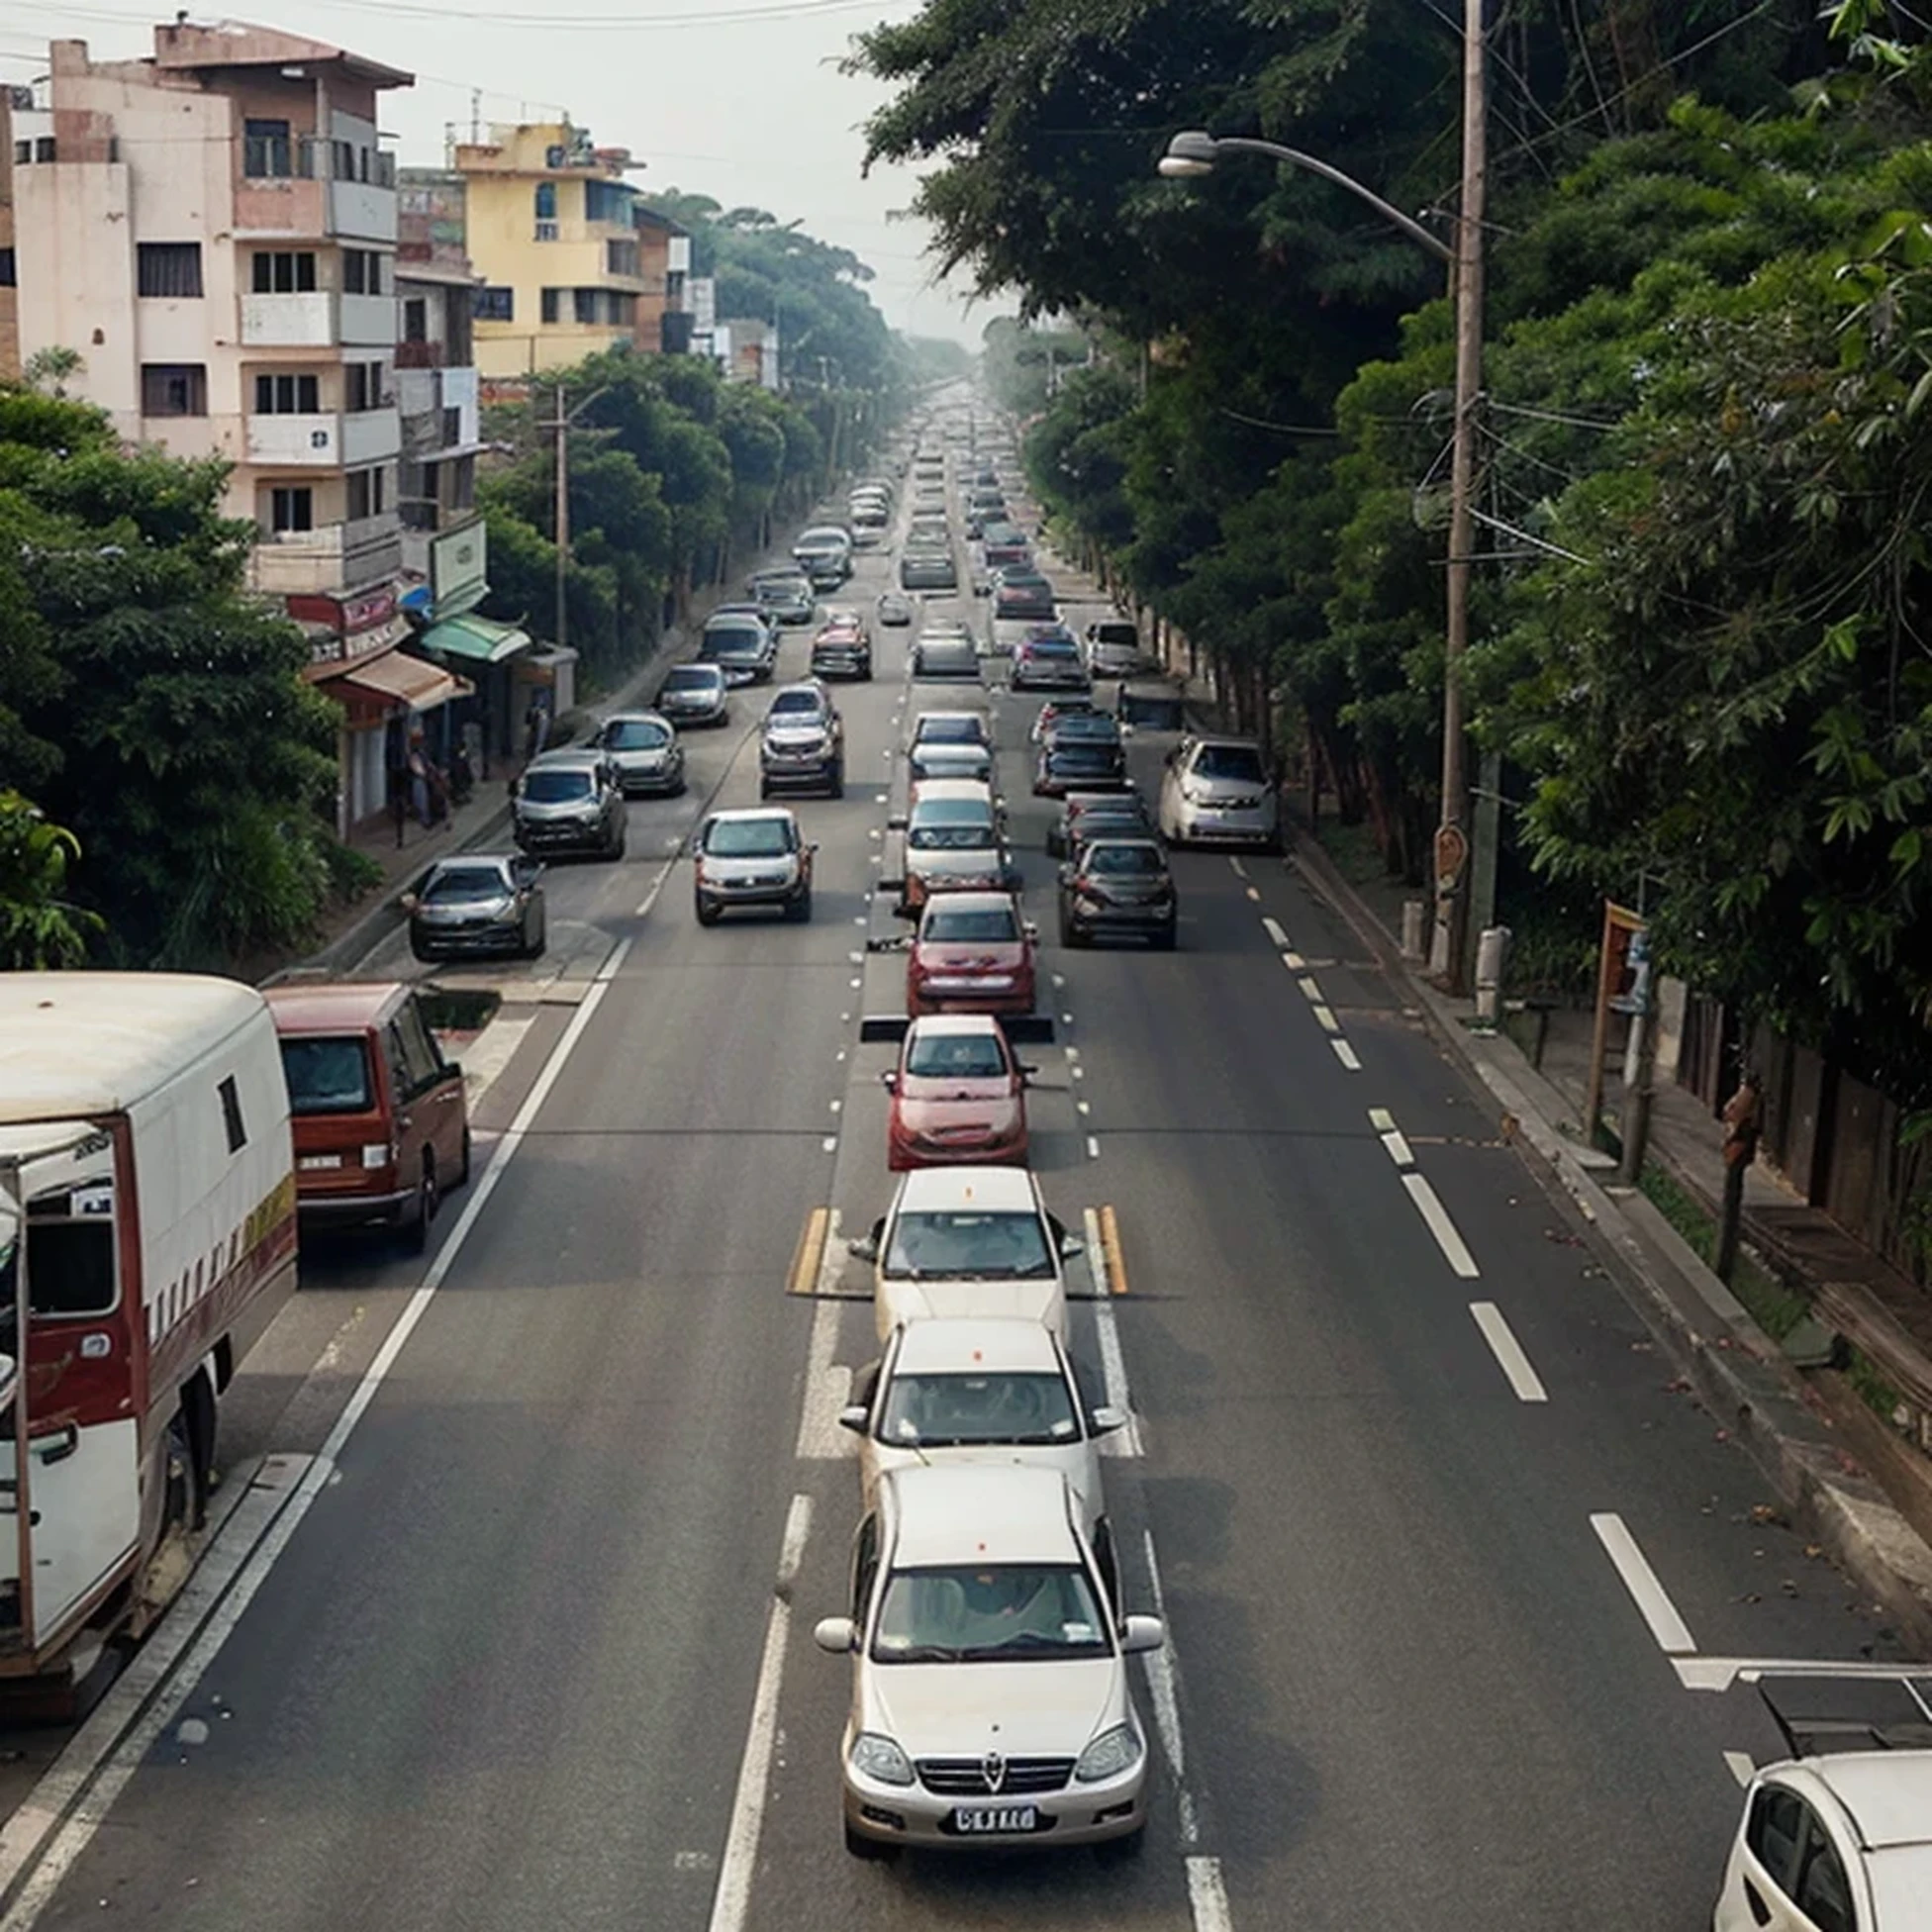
291, 510
553, 297
173, 389
416, 319
496, 305
607, 201
288, 396
43, 149
344, 159
232, 1122
364, 386
544, 205
23, 152
361, 271
7, 271
620, 259
453, 427
168, 268
267, 152
366, 492
462, 483
284, 272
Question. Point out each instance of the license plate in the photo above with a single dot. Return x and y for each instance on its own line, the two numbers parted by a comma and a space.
996, 1817
314, 1163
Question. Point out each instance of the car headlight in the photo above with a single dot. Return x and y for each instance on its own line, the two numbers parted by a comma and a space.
1086, 903
378, 1153
878, 1757
1192, 796
1110, 1755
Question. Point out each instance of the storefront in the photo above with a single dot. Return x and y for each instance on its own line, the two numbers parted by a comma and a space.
489, 654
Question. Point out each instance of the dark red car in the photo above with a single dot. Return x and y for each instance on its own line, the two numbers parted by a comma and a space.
958, 1096
972, 953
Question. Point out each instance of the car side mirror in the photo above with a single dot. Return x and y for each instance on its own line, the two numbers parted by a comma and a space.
858, 1415
1026, 1074
409, 902
896, 822
1067, 875
1072, 1247
1030, 927
889, 1080
1138, 1634
863, 1247
839, 1635
1105, 1421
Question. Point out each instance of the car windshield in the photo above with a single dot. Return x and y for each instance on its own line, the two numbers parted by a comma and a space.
952, 1411
1239, 761
951, 924
1063, 756
463, 884
795, 704
327, 1074
991, 1613
950, 761
968, 1245
1116, 634
734, 641
557, 787
1051, 648
1093, 726
749, 838
1124, 861
692, 677
637, 734
955, 1056
950, 828
951, 731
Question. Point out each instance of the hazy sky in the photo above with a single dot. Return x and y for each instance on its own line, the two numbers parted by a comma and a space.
738, 99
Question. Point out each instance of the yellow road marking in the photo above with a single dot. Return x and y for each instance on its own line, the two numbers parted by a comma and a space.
804, 1278
1116, 1265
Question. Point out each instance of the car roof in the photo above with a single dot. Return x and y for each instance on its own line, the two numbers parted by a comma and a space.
743, 813
710, 673
566, 757
1889, 1793
973, 902
927, 717
987, 1342
980, 1513
954, 791
640, 715
954, 1025
1220, 737
996, 1188
452, 860
328, 1006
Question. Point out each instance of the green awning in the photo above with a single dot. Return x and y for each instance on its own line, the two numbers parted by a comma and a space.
478, 639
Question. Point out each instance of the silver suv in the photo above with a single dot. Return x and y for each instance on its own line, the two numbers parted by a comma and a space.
752, 858
990, 1701
570, 801
1219, 791
804, 743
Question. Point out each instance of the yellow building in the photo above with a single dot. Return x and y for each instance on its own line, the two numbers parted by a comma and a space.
552, 229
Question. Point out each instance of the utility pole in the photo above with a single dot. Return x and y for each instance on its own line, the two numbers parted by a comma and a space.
563, 428
1449, 948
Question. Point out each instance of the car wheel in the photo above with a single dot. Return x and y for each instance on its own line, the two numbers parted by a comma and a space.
463, 1173
836, 787
801, 907
534, 949
677, 790
707, 911
765, 791
416, 1233
1164, 941
869, 1849
1120, 1850
421, 952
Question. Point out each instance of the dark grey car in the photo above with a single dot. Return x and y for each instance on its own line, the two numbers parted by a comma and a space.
693, 694
570, 802
643, 746
477, 903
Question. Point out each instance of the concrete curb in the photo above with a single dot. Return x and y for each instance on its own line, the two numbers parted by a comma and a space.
1735, 1368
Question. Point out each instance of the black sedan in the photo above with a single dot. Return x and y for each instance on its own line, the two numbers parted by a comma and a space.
1090, 814
1118, 888
477, 903
1079, 764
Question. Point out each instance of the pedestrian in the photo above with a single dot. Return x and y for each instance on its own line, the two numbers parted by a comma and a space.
1743, 1118
418, 778
399, 800
537, 724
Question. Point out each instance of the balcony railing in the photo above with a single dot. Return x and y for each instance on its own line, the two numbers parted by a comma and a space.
546, 230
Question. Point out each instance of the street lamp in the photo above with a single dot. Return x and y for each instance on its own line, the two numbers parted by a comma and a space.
1194, 152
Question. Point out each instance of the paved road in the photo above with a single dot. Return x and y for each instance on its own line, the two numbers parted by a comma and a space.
507, 1672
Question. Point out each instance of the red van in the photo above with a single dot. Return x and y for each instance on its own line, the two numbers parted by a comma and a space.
380, 1119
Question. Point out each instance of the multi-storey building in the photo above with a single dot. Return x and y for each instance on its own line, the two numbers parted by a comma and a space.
213, 230
551, 227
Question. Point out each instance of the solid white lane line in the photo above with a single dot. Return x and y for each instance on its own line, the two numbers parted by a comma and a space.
1207, 1896
1162, 1684
1398, 1148
1741, 1765
1113, 1363
732, 1902
1640, 1579
1326, 1020
1346, 1056
1509, 1352
1431, 1206
1272, 927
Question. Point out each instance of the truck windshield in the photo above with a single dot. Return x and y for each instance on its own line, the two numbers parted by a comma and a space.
327, 1075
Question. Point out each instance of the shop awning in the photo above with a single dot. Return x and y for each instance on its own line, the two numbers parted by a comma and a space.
475, 640
396, 678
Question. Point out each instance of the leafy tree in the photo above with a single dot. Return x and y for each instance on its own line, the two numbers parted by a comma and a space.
194, 763
39, 927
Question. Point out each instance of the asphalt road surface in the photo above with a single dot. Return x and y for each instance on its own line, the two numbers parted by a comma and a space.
1432, 1527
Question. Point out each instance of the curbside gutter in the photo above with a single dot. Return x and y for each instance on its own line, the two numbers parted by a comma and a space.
1735, 1368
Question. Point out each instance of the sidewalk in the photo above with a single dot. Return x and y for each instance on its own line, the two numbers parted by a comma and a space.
1864, 1490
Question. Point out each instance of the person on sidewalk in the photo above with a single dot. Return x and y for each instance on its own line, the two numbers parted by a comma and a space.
1743, 1118
418, 778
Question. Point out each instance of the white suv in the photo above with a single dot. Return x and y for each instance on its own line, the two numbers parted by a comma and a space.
968, 1242
1219, 791
990, 1703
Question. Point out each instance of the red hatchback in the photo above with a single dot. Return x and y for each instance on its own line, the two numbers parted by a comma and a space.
958, 1096
972, 953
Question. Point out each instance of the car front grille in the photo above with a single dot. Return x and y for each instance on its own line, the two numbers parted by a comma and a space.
966, 1777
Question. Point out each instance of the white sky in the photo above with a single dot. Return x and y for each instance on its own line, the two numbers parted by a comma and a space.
751, 110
